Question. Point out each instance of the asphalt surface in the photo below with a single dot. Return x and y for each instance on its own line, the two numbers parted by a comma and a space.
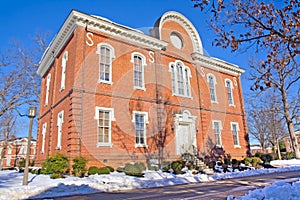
216, 190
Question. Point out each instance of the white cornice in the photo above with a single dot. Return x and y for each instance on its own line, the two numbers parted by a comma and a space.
57, 44
98, 24
217, 64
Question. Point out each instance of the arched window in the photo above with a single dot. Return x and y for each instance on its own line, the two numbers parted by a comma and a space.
180, 76
139, 63
211, 79
60, 121
47, 89
228, 85
63, 70
106, 53
44, 130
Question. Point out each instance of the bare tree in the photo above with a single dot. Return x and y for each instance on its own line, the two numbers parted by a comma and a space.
265, 122
273, 30
19, 83
7, 131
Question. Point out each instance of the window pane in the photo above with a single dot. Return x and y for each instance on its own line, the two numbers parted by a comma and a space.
139, 129
104, 126
180, 80
105, 64
138, 71
173, 79
212, 88
187, 83
229, 92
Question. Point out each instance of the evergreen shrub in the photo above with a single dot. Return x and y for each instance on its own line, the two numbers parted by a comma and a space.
93, 170
55, 165
79, 166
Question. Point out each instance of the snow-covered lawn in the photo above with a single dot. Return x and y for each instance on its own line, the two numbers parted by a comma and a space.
42, 186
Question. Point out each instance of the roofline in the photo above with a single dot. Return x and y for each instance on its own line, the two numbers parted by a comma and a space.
217, 64
76, 18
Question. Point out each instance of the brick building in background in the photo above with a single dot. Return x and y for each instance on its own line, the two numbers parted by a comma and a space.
15, 151
113, 94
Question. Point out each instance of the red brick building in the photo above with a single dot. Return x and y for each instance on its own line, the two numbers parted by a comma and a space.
114, 94
15, 151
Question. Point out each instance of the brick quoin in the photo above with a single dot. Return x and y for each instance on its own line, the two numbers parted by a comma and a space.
174, 121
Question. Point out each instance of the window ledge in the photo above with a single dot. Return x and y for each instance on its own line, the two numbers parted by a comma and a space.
231, 105
105, 82
216, 102
180, 95
237, 146
99, 144
141, 146
219, 146
58, 148
139, 88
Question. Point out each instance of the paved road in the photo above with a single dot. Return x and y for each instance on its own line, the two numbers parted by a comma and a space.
205, 191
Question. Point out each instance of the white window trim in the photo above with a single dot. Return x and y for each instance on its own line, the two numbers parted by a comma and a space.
185, 87
47, 89
44, 130
144, 64
112, 118
60, 121
237, 129
63, 71
221, 128
215, 88
228, 80
112, 56
146, 121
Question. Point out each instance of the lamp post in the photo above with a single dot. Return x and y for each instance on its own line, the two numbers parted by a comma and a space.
31, 115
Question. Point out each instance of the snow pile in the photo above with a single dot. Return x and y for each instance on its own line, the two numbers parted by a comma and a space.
279, 190
285, 163
41, 186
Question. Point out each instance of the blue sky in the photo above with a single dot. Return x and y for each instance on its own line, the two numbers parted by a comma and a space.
21, 19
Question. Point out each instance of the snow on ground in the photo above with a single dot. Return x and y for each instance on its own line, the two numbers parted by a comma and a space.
42, 186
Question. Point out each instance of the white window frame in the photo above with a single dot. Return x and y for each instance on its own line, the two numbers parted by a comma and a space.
112, 56
186, 77
220, 132
60, 121
232, 124
231, 92
63, 71
214, 94
48, 80
8, 158
146, 121
44, 131
144, 64
112, 118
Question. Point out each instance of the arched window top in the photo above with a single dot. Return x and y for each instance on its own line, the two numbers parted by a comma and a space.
180, 76
211, 77
108, 46
65, 56
138, 54
179, 63
228, 82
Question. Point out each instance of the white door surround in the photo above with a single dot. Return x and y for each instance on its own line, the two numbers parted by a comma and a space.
185, 132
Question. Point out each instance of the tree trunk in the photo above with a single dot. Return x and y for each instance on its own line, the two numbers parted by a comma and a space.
288, 118
278, 149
